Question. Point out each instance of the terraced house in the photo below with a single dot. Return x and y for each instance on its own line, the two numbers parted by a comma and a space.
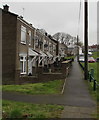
25, 49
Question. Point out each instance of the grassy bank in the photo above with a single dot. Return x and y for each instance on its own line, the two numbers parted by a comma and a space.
24, 110
52, 87
94, 66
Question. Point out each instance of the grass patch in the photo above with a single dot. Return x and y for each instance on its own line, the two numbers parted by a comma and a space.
70, 57
52, 87
95, 55
13, 109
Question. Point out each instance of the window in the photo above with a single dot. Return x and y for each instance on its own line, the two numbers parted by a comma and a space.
30, 37
23, 64
41, 44
36, 42
50, 47
44, 44
54, 48
23, 35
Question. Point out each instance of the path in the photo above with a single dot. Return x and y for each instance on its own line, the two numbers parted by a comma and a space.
80, 103
76, 95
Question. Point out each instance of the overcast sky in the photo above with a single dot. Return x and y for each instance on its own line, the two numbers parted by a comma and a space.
57, 17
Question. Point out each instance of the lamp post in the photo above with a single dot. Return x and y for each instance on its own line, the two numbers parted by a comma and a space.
86, 40
77, 48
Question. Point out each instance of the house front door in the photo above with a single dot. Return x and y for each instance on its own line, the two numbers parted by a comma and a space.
30, 66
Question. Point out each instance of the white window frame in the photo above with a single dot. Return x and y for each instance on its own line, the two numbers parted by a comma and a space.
36, 41
24, 61
54, 48
23, 29
50, 47
30, 37
44, 41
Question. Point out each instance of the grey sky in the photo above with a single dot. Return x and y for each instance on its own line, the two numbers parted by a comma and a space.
57, 17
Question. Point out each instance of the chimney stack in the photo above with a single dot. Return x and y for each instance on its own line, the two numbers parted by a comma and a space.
6, 8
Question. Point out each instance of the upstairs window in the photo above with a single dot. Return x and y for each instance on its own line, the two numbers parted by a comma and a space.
54, 48
50, 47
30, 37
23, 35
36, 42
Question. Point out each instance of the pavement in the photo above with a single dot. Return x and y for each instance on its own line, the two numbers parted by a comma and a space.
75, 98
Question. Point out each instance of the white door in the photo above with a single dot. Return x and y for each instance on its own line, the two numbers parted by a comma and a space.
30, 66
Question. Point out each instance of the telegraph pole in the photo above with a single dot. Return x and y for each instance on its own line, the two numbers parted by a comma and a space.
86, 39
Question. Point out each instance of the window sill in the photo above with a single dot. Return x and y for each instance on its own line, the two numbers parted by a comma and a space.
23, 43
23, 73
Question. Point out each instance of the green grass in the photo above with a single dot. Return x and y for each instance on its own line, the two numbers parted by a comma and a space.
52, 87
94, 66
70, 57
13, 109
95, 55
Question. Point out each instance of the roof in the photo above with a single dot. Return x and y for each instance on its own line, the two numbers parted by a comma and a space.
42, 54
49, 55
67, 61
32, 52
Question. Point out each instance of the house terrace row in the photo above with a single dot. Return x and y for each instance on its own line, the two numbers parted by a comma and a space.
25, 49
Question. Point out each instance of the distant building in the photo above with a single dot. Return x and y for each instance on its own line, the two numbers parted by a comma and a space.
72, 48
93, 48
81, 51
62, 50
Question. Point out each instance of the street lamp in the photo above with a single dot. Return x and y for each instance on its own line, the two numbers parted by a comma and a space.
77, 49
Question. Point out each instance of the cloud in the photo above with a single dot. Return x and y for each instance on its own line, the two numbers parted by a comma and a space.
56, 17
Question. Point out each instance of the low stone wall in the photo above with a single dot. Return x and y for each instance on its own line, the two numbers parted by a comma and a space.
50, 77
28, 79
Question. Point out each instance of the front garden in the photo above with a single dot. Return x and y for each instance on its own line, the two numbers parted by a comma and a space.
52, 87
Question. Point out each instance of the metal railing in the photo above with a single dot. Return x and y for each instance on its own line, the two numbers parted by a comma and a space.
91, 77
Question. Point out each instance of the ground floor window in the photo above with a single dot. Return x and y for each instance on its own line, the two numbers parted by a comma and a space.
23, 64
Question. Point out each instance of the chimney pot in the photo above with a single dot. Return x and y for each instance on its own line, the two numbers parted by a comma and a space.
6, 8
21, 17
30, 24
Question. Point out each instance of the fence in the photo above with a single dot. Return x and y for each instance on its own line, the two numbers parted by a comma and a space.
91, 77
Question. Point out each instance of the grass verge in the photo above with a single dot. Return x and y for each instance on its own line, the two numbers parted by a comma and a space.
52, 87
95, 66
16, 110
